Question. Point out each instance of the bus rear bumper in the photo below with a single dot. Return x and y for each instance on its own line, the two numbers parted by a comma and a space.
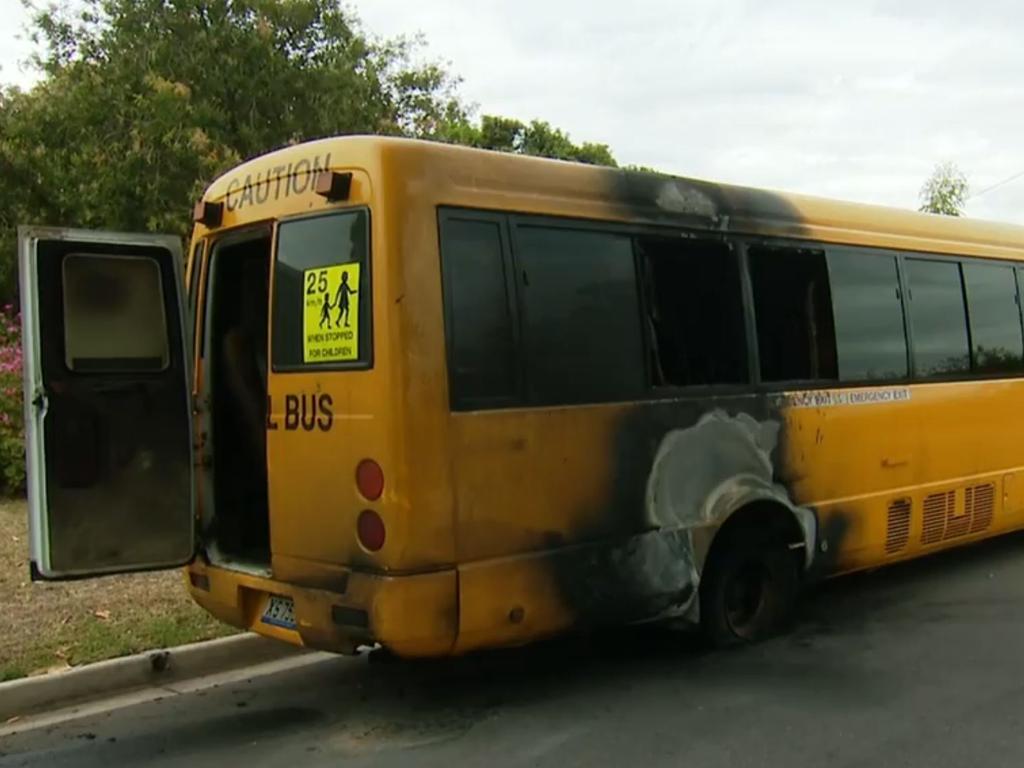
414, 615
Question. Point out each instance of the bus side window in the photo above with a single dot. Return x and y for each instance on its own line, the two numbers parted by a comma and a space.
871, 339
995, 318
695, 312
478, 318
937, 317
793, 307
582, 330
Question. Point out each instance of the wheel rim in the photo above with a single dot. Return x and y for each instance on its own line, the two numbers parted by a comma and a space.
746, 597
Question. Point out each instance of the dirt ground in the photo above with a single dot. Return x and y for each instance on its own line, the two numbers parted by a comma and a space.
51, 626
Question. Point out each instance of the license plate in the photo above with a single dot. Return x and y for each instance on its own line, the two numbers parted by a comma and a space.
280, 612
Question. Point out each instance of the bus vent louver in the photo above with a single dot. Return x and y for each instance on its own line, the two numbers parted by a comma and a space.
898, 532
937, 507
980, 506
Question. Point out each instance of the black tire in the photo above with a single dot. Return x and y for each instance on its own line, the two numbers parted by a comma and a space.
749, 588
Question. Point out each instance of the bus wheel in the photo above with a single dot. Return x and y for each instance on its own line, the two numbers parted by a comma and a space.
749, 588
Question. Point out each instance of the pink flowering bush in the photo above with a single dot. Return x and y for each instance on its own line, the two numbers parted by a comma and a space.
12, 427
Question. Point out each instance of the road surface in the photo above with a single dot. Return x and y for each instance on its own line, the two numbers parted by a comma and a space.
917, 665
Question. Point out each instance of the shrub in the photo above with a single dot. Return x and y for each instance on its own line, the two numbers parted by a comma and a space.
12, 428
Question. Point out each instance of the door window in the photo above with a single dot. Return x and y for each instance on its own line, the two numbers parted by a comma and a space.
113, 314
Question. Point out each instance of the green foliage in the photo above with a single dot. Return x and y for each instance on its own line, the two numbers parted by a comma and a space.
945, 192
144, 102
642, 169
505, 134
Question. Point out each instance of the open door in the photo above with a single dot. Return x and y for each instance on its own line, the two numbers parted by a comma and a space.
107, 403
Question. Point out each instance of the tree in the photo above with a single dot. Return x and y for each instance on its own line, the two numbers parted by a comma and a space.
505, 134
642, 169
143, 102
945, 192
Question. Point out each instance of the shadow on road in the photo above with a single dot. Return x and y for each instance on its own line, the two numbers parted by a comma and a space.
359, 707
893, 599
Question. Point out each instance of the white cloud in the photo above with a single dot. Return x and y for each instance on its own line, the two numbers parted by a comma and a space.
848, 100
857, 100
15, 47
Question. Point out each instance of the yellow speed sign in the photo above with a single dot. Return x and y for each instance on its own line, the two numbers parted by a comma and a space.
330, 319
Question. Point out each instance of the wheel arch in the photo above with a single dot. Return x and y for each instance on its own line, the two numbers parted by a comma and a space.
758, 509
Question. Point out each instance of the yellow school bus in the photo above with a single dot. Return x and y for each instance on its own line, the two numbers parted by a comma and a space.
441, 399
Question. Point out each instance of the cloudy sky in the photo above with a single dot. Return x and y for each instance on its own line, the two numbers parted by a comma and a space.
855, 100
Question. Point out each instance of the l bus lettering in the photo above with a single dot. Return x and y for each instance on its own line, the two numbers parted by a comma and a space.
307, 412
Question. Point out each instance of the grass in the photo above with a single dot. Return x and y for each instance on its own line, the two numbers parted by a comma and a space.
50, 626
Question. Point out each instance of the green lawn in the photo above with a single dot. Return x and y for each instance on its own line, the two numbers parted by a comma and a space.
54, 625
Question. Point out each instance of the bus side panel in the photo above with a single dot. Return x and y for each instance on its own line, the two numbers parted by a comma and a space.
934, 467
553, 526
412, 323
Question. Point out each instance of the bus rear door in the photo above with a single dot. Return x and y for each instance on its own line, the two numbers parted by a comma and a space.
107, 414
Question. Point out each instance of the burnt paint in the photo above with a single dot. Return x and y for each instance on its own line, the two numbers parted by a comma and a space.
601, 580
623, 569
690, 202
600, 571
832, 533
603, 585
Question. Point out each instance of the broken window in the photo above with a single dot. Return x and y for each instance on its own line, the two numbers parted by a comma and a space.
793, 306
694, 312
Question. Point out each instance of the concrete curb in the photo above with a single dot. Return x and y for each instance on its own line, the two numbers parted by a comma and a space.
148, 669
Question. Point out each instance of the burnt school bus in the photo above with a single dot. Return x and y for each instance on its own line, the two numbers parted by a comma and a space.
440, 399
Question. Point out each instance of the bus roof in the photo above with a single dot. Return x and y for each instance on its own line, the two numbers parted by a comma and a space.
459, 175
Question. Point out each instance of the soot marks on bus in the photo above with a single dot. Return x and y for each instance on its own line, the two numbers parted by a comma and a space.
701, 204
306, 412
681, 470
833, 531
274, 183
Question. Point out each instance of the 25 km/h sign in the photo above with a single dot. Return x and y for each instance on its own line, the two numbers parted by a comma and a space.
330, 314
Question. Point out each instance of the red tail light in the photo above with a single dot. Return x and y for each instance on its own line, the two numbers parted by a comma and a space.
370, 529
370, 479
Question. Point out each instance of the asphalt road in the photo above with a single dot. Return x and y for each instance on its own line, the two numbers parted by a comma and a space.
921, 664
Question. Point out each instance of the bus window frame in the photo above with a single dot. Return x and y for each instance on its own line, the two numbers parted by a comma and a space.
911, 378
213, 245
738, 253
168, 331
695, 231
740, 242
198, 315
1020, 294
517, 221
698, 230
958, 262
350, 365
965, 262
896, 256
196, 274
460, 402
